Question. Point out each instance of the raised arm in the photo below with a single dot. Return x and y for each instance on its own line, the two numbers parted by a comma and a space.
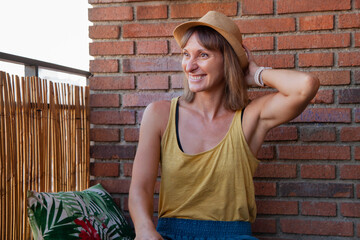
295, 91
145, 170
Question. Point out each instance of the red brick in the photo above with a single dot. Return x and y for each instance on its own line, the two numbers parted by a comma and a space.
174, 47
262, 225
259, 43
349, 59
104, 135
318, 171
293, 6
357, 39
316, 59
127, 169
311, 189
177, 81
255, 7
312, 208
131, 134
153, 82
112, 117
277, 207
268, 25
196, 10
323, 96
112, 83
104, 66
270, 170
318, 134
311, 227
350, 172
144, 99
110, 13
350, 134
148, 30
276, 60
349, 20
314, 152
111, 48
152, 47
104, 169
112, 151
151, 12
357, 114
104, 32
357, 77
336, 115
139, 115
350, 209
104, 100
320, 22
357, 153
266, 152
314, 41
164, 64
265, 188
113, 185
357, 5
333, 77
282, 134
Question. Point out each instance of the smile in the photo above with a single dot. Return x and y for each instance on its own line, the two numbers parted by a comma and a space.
196, 78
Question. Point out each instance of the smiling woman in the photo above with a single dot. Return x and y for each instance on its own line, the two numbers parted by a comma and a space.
207, 140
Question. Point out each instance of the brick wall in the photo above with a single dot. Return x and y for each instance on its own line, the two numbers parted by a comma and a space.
307, 185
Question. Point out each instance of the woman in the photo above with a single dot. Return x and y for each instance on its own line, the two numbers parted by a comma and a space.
206, 140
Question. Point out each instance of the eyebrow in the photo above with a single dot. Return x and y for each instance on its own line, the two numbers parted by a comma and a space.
199, 50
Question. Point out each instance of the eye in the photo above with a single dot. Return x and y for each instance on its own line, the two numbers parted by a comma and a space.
186, 54
204, 55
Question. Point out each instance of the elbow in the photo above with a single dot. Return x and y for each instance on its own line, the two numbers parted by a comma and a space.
310, 87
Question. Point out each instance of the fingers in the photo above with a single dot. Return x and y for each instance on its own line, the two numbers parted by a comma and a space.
247, 52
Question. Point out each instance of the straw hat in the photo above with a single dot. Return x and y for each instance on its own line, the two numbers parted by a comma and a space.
223, 25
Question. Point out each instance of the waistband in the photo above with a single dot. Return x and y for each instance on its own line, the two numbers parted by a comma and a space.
173, 228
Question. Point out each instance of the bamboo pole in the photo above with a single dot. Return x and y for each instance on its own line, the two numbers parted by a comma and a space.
2, 155
18, 208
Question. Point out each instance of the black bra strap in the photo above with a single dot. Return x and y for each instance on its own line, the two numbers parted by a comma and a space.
177, 125
242, 114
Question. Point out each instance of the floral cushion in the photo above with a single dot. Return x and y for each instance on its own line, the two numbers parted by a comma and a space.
89, 214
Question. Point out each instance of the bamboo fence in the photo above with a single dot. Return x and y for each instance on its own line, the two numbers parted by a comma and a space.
44, 145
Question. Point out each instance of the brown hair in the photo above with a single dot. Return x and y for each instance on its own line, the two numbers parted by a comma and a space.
235, 90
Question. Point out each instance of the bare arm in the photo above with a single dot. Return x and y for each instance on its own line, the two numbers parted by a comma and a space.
295, 91
145, 171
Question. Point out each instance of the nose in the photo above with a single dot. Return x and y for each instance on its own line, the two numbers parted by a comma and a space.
191, 65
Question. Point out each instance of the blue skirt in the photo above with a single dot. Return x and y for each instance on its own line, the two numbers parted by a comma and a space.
187, 229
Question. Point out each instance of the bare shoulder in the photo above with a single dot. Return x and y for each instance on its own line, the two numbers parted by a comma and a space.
156, 115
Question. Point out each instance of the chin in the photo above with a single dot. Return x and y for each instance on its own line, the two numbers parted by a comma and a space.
195, 89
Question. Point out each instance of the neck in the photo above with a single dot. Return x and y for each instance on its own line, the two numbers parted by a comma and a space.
210, 105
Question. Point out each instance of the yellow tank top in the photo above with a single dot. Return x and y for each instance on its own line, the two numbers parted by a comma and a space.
213, 185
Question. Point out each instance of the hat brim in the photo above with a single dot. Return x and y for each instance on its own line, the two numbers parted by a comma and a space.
181, 29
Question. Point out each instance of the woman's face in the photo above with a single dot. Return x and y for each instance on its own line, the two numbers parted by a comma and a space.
203, 68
